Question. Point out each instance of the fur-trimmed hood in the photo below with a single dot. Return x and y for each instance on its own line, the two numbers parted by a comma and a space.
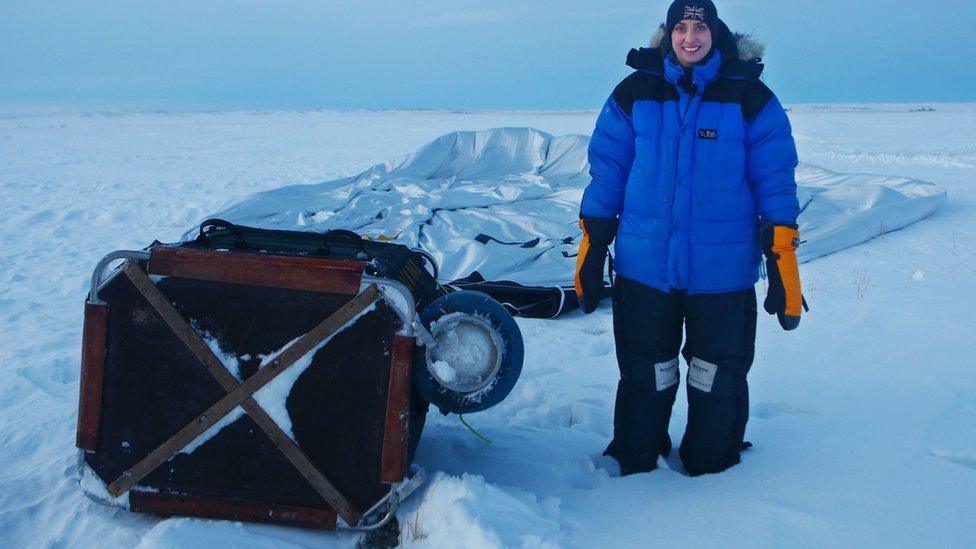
749, 48
741, 53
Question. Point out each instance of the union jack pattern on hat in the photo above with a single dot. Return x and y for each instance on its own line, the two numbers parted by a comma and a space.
696, 10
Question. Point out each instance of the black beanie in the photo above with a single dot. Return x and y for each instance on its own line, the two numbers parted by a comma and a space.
699, 10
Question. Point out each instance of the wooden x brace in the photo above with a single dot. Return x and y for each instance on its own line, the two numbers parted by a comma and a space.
240, 394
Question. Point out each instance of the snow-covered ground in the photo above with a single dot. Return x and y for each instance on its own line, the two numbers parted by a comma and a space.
864, 419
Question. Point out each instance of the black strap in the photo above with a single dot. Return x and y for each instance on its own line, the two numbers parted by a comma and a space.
521, 300
485, 239
239, 242
342, 234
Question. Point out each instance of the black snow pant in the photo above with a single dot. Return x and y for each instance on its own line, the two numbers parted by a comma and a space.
719, 347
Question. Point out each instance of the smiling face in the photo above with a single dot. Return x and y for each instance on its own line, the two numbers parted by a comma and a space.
691, 40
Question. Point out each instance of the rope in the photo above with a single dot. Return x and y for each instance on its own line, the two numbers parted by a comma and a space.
470, 428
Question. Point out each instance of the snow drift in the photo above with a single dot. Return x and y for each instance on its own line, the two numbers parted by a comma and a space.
505, 202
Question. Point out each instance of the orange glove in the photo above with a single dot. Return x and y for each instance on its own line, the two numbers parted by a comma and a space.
598, 233
784, 297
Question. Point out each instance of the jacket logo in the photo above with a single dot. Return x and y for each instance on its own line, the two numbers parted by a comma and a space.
707, 134
694, 12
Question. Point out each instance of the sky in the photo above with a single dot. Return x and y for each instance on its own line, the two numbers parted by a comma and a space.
458, 54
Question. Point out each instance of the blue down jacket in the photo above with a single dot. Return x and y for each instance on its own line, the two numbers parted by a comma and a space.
691, 164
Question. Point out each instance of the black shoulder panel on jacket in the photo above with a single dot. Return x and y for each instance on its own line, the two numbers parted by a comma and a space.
727, 90
751, 95
646, 59
641, 86
756, 99
743, 69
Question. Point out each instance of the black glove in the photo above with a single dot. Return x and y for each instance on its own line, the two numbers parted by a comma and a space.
598, 233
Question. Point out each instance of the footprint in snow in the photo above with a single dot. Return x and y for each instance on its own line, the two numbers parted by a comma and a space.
952, 434
601, 348
598, 468
770, 410
593, 330
588, 415
54, 380
966, 460
41, 217
594, 470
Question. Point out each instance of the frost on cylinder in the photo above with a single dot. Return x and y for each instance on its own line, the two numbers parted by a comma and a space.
467, 353
475, 357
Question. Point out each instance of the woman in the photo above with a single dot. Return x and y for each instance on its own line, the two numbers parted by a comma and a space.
692, 164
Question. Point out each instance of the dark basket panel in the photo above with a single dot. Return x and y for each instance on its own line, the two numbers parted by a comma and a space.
337, 409
239, 462
249, 320
338, 406
153, 386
